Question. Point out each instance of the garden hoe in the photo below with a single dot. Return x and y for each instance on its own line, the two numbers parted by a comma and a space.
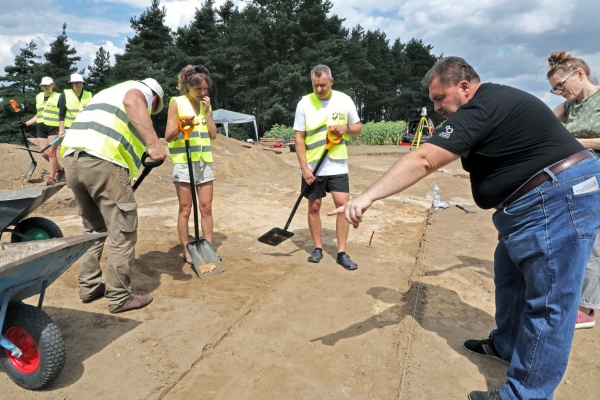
205, 260
277, 235
33, 165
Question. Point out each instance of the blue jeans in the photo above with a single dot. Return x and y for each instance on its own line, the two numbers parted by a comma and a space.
546, 239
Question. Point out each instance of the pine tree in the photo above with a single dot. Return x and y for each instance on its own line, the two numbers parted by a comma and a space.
22, 80
99, 75
61, 60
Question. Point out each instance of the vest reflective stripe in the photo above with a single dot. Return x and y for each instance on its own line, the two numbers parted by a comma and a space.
199, 138
104, 128
47, 111
317, 120
74, 105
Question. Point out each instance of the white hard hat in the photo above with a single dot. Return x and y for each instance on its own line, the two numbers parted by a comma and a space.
76, 78
152, 84
47, 81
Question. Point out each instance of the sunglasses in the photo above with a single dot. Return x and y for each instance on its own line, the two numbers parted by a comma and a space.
560, 86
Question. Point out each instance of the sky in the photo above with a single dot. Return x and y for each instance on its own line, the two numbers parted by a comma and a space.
507, 42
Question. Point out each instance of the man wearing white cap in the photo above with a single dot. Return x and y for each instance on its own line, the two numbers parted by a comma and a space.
103, 151
46, 118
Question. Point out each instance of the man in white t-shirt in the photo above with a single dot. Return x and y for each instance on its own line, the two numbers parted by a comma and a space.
321, 111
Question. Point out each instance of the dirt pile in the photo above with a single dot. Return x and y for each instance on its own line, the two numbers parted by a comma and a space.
232, 160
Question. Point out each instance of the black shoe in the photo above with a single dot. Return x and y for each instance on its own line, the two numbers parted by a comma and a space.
96, 294
316, 256
346, 262
484, 348
489, 395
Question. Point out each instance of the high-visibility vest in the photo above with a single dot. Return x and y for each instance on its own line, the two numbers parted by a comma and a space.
104, 128
47, 111
74, 105
317, 119
199, 138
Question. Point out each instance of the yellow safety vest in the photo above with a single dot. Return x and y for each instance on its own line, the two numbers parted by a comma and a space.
104, 128
47, 111
74, 105
317, 119
199, 138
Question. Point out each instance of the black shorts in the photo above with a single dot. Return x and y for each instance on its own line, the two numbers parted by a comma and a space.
43, 131
324, 184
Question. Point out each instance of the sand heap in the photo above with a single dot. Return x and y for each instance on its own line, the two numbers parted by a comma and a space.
231, 159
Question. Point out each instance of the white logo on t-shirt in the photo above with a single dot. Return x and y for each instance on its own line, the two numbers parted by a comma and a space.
447, 132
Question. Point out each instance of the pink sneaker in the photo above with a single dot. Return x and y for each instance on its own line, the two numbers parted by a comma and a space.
585, 320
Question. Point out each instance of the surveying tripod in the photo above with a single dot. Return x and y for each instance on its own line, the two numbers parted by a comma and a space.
419, 132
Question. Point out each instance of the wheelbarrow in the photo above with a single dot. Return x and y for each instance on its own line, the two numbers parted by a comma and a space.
34, 350
15, 205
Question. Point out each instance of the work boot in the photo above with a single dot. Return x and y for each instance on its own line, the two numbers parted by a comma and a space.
316, 255
98, 293
489, 395
138, 301
345, 261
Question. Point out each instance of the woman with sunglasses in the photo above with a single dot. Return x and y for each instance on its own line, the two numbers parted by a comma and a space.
570, 78
193, 85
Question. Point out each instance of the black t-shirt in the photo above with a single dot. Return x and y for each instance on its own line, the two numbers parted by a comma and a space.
504, 136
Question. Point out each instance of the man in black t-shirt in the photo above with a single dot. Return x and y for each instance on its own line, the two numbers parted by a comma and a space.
544, 185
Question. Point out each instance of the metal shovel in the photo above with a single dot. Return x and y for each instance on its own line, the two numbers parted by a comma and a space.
29, 173
277, 235
205, 260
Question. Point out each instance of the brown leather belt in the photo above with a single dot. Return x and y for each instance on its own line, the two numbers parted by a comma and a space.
542, 176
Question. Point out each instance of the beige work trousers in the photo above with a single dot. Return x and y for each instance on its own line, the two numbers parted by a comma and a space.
106, 204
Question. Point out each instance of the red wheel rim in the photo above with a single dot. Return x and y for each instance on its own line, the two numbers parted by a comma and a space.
30, 360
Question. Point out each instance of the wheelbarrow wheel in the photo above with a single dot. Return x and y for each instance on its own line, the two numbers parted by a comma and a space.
34, 333
37, 228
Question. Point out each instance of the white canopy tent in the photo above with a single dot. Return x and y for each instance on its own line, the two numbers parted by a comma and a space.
227, 117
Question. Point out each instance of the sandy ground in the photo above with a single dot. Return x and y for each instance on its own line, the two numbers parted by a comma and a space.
274, 326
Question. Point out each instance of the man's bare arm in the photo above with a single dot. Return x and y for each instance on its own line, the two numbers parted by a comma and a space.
137, 112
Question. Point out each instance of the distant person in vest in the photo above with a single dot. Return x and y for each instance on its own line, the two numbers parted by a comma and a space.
193, 85
71, 102
325, 108
102, 152
46, 118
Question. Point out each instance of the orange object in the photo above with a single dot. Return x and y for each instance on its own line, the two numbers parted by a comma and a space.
186, 126
14, 105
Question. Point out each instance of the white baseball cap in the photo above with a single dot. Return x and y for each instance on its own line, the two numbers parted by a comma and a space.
76, 78
152, 84
47, 81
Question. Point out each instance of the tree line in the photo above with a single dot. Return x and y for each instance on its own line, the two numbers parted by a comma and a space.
259, 58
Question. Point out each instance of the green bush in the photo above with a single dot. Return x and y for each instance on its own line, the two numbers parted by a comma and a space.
380, 133
280, 131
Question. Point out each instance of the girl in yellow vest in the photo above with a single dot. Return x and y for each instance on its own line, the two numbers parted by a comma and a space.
46, 118
193, 85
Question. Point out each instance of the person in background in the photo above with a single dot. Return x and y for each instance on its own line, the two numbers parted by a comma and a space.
46, 119
325, 109
570, 78
103, 151
542, 183
193, 85
71, 102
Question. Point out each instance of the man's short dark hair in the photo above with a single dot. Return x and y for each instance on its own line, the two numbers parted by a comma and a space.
450, 70
320, 70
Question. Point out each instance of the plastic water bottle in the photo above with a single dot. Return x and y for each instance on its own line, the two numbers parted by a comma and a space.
436, 197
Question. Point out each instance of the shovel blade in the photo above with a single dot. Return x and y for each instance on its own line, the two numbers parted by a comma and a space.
275, 236
29, 173
204, 258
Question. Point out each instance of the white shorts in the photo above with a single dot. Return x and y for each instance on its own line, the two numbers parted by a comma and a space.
203, 172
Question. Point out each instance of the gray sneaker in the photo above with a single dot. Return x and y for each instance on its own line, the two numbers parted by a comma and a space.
316, 256
346, 262
489, 395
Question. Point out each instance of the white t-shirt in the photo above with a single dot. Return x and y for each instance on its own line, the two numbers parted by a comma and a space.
329, 166
147, 92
